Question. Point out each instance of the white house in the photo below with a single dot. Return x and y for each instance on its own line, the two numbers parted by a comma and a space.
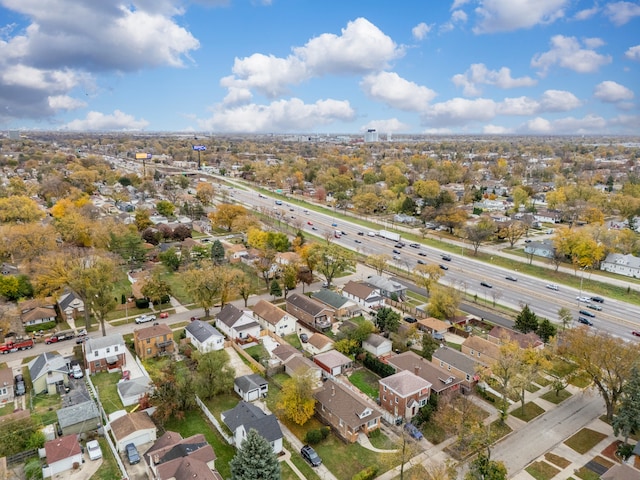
236, 323
62, 454
131, 391
105, 353
365, 295
251, 387
204, 336
626, 265
246, 416
377, 345
136, 428
274, 319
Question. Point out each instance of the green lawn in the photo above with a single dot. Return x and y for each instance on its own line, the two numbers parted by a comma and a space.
258, 353
585, 474
345, 460
531, 411
366, 381
557, 460
293, 340
584, 440
45, 407
542, 470
379, 440
109, 469
552, 397
105, 384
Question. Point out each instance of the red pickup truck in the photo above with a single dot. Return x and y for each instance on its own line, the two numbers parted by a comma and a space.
15, 346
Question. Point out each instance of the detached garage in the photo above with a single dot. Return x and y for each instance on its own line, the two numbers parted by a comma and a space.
136, 428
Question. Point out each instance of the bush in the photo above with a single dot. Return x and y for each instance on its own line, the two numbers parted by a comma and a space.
142, 303
624, 451
325, 431
40, 326
366, 474
313, 436
376, 366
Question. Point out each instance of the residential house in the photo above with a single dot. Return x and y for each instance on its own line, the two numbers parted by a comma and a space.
626, 265
273, 318
318, 343
204, 336
153, 341
37, 310
437, 328
364, 295
545, 248
458, 364
70, 305
310, 311
287, 258
135, 427
481, 349
403, 394
442, 381
49, 373
251, 387
63, 454
172, 457
346, 412
377, 345
236, 252
105, 354
547, 216
6, 386
298, 365
284, 351
82, 417
388, 288
236, 323
246, 416
131, 391
333, 362
499, 335
342, 306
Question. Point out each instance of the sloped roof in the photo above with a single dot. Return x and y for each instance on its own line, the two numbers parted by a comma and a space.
285, 351
525, 340
6, 377
456, 359
229, 315
319, 341
38, 313
359, 290
621, 471
130, 423
96, 343
306, 304
300, 365
135, 386
485, 347
269, 312
61, 448
405, 383
202, 331
376, 340
434, 324
439, 378
330, 298
332, 358
386, 284
345, 404
79, 413
251, 417
153, 331
67, 298
250, 382
47, 362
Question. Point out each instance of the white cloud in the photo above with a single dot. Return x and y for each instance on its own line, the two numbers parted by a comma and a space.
612, 92
65, 102
570, 125
621, 12
420, 31
478, 74
97, 121
496, 130
459, 3
633, 53
587, 13
518, 106
395, 91
558, 101
281, 116
458, 16
392, 125
566, 52
459, 111
237, 96
510, 15
361, 48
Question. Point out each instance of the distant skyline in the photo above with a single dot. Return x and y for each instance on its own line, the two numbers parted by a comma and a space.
517, 67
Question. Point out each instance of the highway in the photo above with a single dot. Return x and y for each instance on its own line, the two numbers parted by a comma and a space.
464, 272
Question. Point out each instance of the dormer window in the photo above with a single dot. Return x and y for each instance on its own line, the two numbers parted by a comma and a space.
365, 413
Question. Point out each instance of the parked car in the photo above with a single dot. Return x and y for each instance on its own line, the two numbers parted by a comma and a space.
164, 315
585, 321
410, 319
76, 371
413, 431
304, 338
193, 319
21, 388
93, 449
132, 454
145, 318
310, 455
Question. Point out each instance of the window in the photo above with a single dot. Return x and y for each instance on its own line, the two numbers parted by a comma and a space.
108, 349
340, 422
478, 354
472, 352
423, 402
372, 423
95, 353
96, 364
449, 367
148, 341
148, 351
384, 387
468, 377
441, 363
115, 349
396, 399
3, 391
384, 397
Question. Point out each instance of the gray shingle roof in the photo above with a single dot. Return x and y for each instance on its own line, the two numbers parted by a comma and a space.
47, 362
229, 315
250, 382
306, 304
251, 417
82, 412
97, 343
456, 359
202, 331
331, 298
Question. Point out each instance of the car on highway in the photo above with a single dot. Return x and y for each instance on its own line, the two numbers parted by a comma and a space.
587, 313
396, 257
357, 241
309, 223
396, 251
422, 254
512, 278
585, 321
310, 455
593, 306
552, 286
314, 228
145, 319
421, 262
361, 234
446, 258
443, 267
132, 454
414, 245
583, 299
635, 333
597, 299
413, 431
485, 284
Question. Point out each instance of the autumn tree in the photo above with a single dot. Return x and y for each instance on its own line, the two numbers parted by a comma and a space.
483, 468
27, 241
480, 232
156, 288
202, 285
443, 302
142, 219
226, 214
513, 232
289, 278
451, 217
175, 393
19, 209
426, 276
310, 256
504, 371
295, 400
604, 359
565, 317
378, 262
333, 261
205, 192
214, 374
533, 363
245, 288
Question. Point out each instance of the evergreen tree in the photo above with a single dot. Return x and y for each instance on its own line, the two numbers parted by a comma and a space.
627, 420
387, 320
255, 460
546, 330
217, 252
526, 321
274, 289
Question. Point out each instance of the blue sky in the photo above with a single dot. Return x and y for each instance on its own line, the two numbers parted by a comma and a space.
542, 67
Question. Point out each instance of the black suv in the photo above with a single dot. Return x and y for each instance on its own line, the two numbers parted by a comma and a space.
446, 258
310, 455
597, 299
585, 321
485, 284
587, 313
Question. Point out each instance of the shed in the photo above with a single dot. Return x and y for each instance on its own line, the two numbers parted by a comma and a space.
136, 428
251, 387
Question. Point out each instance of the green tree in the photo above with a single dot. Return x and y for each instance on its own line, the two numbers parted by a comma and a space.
214, 374
333, 261
387, 320
546, 330
482, 468
429, 346
175, 393
217, 252
155, 288
289, 277
142, 219
203, 286
378, 262
15, 287
255, 460
274, 289
170, 259
526, 321
627, 419
165, 208
427, 275
565, 317
295, 400
130, 246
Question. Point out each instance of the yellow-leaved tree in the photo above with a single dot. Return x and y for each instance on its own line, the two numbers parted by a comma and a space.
295, 400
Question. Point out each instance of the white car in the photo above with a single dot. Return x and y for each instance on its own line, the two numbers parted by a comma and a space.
583, 299
77, 372
552, 286
145, 318
93, 449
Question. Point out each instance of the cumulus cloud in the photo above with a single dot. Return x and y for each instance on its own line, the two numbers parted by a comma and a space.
612, 92
478, 74
496, 130
421, 30
621, 12
459, 111
64, 102
587, 13
361, 48
97, 121
588, 124
391, 125
281, 116
567, 52
509, 15
633, 53
558, 101
396, 92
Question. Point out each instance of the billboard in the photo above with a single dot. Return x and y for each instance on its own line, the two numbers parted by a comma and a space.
143, 156
199, 148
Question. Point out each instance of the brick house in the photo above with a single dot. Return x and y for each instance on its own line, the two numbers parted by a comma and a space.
458, 364
481, 349
105, 354
153, 341
310, 311
403, 394
442, 381
345, 412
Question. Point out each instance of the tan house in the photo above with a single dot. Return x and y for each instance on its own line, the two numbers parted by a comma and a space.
6, 386
499, 335
135, 427
437, 328
458, 364
153, 341
481, 349
403, 394
37, 310
273, 318
345, 412
309, 311
318, 343
442, 381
